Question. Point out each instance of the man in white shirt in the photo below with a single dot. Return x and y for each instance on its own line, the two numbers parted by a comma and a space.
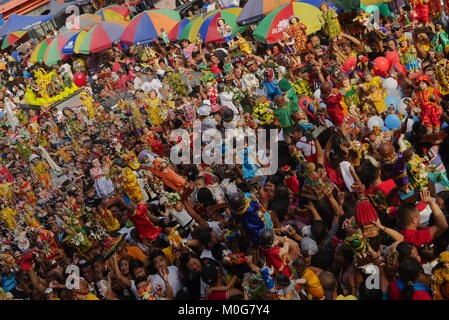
152, 83
160, 263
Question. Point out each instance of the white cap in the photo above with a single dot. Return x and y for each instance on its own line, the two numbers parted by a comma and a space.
204, 110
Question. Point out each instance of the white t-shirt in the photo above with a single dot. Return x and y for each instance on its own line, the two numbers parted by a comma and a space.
173, 279
155, 84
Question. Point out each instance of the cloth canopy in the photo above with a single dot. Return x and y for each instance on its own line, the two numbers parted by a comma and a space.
22, 23
59, 7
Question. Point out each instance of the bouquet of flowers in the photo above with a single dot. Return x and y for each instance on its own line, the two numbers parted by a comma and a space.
237, 94
263, 112
302, 86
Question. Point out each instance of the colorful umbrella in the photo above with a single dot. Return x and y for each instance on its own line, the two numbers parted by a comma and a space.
175, 32
12, 38
53, 53
39, 51
270, 28
206, 25
147, 26
256, 10
74, 43
87, 19
209, 31
102, 36
190, 31
114, 13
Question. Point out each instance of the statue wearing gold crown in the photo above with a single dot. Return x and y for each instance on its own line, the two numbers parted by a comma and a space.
440, 278
88, 103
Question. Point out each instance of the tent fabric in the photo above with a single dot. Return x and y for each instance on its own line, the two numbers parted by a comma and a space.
59, 7
22, 23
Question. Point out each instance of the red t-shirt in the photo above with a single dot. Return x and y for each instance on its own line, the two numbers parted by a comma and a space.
273, 258
395, 294
417, 237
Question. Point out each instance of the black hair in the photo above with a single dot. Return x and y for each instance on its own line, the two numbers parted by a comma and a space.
135, 263
404, 250
155, 254
139, 280
203, 235
98, 258
319, 230
205, 197
409, 270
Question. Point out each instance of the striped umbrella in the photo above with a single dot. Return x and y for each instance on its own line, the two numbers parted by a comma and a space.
114, 13
270, 28
190, 31
177, 29
256, 10
209, 31
74, 43
147, 26
39, 51
53, 53
102, 36
12, 38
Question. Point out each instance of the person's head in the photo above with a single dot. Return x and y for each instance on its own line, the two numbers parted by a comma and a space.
98, 263
408, 216
152, 94
442, 200
124, 264
159, 260
137, 268
324, 7
407, 250
206, 236
344, 255
409, 270
191, 263
427, 252
387, 152
281, 281
141, 282
205, 197
220, 22
87, 271
396, 30
293, 20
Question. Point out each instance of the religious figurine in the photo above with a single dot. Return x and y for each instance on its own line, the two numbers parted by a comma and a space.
88, 103
316, 183
298, 30
440, 278
40, 170
349, 92
441, 69
440, 40
333, 100
103, 184
427, 97
421, 9
394, 167
225, 31
244, 46
276, 256
131, 186
408, 55
108, 220
329, 21
377, 96
357, 242
74, 234
291, 49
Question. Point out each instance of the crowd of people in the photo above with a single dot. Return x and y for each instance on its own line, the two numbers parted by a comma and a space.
93, 208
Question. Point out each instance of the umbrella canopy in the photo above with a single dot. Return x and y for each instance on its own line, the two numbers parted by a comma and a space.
175, 32
114, 13
87, 19
190, 31
18, 22
73, 44
102, 36
53, 53
256, 10
39, 51
147, 26
12, 38
208, 29
271, 27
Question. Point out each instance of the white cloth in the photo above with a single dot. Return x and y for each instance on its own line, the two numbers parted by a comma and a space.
182, 217
10, 107
346, 173
49, 160
173, 279
307, 147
